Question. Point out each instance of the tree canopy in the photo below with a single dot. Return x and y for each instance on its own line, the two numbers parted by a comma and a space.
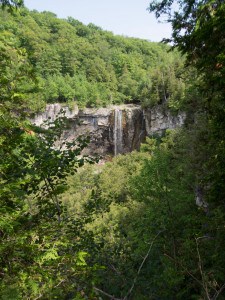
10, 4
75, 62
130, 228
198, 31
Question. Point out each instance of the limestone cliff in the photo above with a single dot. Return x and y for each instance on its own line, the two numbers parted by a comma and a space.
112, 130
158, 119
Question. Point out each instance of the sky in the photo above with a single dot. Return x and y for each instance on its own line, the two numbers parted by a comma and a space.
123, 17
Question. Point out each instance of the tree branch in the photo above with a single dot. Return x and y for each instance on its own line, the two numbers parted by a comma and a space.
106, 294
141, 265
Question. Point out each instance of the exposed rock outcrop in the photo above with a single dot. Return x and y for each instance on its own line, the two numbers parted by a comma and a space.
158, 119
112, 130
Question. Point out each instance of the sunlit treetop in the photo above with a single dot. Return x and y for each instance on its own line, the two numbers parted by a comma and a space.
11, 3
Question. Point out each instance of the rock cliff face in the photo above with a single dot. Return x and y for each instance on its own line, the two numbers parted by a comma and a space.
158, 119
112, 130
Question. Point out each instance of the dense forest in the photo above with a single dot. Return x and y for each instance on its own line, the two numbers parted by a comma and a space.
72, 61
145, 225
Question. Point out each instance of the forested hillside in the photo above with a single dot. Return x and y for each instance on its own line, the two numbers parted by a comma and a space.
72, 61
148, 225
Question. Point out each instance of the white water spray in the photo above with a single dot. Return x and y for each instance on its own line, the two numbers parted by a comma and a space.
118, 131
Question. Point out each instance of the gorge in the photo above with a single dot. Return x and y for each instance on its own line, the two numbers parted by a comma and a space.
114, 129
124, 224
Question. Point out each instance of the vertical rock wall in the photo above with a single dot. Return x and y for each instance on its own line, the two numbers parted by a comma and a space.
158, 119
52, 111
112, 130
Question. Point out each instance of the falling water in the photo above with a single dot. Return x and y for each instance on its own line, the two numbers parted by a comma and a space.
118, 131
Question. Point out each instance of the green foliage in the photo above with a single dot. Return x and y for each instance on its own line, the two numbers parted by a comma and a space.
92, 66
129, 228
40, 253
11, 4
197, 28
18, 84
153, 240
198, 33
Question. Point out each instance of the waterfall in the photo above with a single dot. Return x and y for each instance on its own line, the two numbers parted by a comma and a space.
143, 129
118, 131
